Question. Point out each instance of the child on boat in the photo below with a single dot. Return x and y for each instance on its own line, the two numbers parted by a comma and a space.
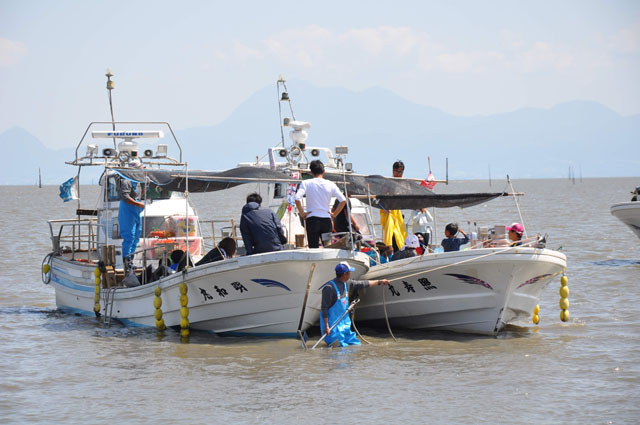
451, 243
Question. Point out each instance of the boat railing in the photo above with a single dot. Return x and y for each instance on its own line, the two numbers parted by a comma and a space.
219, 228
75, 236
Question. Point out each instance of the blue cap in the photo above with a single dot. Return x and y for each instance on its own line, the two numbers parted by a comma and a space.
342, 268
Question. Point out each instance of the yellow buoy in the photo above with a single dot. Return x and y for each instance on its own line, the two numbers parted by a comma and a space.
158, 291
564, 303
184, 300
564, 315
96, 272
157, 313
160, 324
184, 323
564, 280
184, 311
183, 289
46, 268
157, 302
537, 309
535, 319
564, 291
184, 332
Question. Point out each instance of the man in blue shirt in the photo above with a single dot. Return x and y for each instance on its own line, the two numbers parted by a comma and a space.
451, 243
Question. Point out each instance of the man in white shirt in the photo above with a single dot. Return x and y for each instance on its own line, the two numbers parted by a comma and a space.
319, 193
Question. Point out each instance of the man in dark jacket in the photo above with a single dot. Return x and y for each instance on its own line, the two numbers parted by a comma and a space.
260, 228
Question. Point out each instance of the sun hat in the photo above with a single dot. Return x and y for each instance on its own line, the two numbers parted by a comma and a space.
412, 242
516, 227
343, 267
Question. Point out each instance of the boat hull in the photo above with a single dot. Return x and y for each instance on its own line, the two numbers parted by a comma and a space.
258, 295
473, 291
629, 214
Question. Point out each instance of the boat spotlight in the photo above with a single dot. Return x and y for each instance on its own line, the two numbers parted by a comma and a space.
315, 152
341, 150
348, 166
109, 152
282, 152
92, 150
162, 150
148, 153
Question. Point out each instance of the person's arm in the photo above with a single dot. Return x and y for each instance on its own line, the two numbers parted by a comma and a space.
465, 239
301, 210
245, 231
339, 208
354, 224
355, 285
126, 194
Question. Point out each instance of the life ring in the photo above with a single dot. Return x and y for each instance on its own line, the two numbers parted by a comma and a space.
46, 271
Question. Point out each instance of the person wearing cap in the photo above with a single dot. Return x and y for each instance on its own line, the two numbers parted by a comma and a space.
130, 217
319, 192
451, 243
409, 250
516, 230
335, 296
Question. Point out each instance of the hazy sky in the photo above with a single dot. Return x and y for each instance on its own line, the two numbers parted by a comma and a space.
192, 62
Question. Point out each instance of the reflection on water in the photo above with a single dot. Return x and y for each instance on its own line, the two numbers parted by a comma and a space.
71, 369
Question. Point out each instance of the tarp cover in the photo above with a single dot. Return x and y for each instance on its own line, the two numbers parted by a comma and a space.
387, 193
204, 181
399, 194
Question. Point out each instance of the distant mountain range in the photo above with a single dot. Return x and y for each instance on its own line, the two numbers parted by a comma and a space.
380, 127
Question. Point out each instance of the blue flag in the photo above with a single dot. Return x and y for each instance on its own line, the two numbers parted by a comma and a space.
69, 189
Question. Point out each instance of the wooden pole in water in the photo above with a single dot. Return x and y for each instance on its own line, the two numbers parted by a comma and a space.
306, 295
447, 164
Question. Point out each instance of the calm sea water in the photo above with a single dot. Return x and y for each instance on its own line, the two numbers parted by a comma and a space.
68, 369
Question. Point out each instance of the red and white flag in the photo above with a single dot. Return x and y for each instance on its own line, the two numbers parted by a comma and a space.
429, 182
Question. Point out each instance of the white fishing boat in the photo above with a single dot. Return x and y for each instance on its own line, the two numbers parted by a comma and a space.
477, 290
472, 291
629, 212
269, 294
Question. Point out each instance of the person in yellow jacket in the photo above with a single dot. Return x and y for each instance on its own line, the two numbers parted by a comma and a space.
392, 222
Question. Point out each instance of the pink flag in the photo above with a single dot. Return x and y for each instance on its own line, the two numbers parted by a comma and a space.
429, 182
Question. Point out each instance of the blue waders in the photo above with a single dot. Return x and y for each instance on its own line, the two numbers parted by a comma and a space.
342, 332
130, 222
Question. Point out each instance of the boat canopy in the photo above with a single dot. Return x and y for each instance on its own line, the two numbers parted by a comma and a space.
205, 181
391, 193
386, 192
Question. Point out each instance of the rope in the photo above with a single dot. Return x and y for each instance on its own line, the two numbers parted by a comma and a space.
386, 317
353, 322
463, 261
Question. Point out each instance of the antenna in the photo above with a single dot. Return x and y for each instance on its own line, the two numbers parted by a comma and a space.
111, 86
283, 97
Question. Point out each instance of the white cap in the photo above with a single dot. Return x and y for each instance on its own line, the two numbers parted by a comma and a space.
412, 242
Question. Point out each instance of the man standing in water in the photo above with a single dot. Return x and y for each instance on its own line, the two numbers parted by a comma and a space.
319, 192
130, 217
335, 301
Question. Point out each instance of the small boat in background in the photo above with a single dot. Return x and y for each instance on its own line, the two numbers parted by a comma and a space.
629, 212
